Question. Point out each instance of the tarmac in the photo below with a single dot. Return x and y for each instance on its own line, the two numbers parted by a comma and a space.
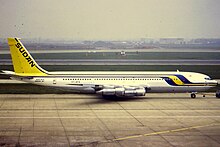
90, 120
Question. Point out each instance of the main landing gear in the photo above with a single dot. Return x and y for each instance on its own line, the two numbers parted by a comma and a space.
193, 95
217, 94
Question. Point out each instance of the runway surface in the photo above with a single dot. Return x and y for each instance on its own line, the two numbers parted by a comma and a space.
90, 120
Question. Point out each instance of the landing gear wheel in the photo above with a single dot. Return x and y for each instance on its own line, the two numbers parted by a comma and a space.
217, 94
193, 95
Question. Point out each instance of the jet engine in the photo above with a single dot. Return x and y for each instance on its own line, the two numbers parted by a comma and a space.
123, 92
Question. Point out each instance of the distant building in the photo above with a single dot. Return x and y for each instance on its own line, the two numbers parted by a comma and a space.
205, 41
148, 40
172, 41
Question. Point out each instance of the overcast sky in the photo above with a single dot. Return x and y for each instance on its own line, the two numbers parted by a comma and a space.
109, 19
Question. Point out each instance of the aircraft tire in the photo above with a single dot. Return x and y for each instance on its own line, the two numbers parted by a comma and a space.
217, 94
193, 95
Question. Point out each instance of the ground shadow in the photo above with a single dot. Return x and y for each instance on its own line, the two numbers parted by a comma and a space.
98, 99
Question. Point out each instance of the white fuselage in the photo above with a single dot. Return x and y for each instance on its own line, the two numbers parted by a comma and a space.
91, 82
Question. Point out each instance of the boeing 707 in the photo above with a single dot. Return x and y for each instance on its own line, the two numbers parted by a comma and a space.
111, 83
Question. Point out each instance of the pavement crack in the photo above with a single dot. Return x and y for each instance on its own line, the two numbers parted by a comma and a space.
19, 136
94, 143
131, 115
33, 114
167, 141
3, 102
104, 125
62, 124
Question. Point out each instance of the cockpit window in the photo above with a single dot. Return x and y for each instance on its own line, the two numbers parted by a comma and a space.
208, 78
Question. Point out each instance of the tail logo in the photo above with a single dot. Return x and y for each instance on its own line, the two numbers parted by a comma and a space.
25, 54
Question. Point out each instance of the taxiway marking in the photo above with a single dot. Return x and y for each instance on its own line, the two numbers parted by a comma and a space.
166, 131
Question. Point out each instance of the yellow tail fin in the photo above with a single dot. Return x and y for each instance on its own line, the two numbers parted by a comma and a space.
23, 62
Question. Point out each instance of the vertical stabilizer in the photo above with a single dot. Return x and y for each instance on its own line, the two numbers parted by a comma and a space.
23, 62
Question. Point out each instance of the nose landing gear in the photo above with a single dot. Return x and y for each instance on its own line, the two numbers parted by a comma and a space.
193, 95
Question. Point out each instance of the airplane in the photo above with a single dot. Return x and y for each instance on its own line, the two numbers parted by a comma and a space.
110, 83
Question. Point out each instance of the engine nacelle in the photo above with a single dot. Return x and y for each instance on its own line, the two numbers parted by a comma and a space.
123, 92
136, 92
88, 90
119, 91
107, 91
